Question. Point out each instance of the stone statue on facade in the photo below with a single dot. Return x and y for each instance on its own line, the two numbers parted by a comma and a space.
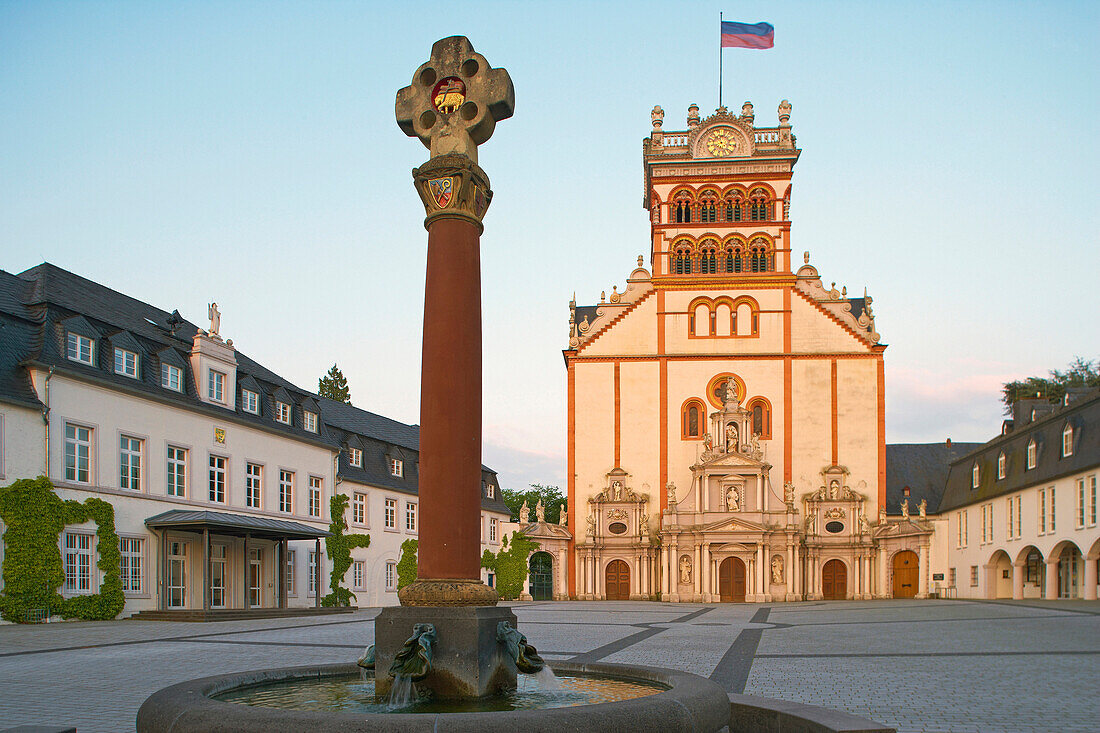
671, 489
882, 515
524, 513
922, 508
732, 504
562, 515
708, 443
864, 525
834, 489
754, 446
904, 508
591, 525
788, 493
645, 524
777, 569
215, 320
617, 491
731, 438
685, 570
731, 392
540, 511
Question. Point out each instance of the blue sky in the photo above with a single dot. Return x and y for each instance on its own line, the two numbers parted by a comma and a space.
247, 153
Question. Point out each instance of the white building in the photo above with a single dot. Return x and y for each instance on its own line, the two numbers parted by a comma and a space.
220, 472
1020, 510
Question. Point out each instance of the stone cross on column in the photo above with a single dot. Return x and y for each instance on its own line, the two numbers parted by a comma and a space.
455, 100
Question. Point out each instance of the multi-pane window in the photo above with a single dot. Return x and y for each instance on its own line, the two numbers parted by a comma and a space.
974, 476
130, 564
1050, 491
312, 572
1067, 441
1092, 501
961, 520
973, 575
1001, 466
410, 517
1080, 503
291, 556
253, 485
1042, 511
952, 576
390, 516
1019, 516
79, 348
314, 496
129, 463
286, 491
78, 453
282, 412
78, 562
309, 421
987, 523
1032, 454
1010, 516
493, 523
215, 386
490, 491
177, 471
357, 574
355, 457
396, 467
250, 401
171, 377
358, 508
391, 576
216, 479
125, 363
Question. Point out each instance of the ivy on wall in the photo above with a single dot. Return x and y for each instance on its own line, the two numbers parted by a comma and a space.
338, 547
406, 566
510, 565
35, 517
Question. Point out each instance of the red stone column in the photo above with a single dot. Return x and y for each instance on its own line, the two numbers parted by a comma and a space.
450, 404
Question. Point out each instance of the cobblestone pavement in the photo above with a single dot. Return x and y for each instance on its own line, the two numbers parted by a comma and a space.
917, 665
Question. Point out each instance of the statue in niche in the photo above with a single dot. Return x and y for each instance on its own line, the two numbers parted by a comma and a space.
617, 491
882, 515
540, 511
215, 320
732, 504
834, 489
922, 508
731, 438
864, 525
904, 508
524, 513
777, 569
685, 569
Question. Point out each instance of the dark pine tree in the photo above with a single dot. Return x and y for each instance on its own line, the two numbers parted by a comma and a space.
334, 386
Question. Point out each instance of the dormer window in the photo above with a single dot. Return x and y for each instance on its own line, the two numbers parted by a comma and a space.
975, 475
1067, 441
282, 412
309, 421
396, 467
79, 348
1032, 454
125, 363
490, 491
355, 457
215, 385
171, 377
250, 401
1001, 466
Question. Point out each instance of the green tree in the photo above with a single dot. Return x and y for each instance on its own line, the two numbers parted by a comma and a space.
334, 386
406, 566
338, 547
552, 500
510, 565
1080, 373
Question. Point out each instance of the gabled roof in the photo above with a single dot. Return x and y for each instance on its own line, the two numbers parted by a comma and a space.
923, 468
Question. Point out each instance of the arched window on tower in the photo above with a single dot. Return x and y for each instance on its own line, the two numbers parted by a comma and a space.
759, 256
734, 207
761, 412
693, 418
759, 206
681, 263
701, 320
708, 258
746, 318
708, 207
681, 207
735, 261
723, 319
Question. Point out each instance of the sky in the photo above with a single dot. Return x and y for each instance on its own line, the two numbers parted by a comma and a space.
247, 153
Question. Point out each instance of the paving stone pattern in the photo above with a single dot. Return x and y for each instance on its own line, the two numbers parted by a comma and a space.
918, 665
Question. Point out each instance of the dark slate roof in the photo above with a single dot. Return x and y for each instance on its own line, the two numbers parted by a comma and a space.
236, 524
1082, 414
923, 468
18, 333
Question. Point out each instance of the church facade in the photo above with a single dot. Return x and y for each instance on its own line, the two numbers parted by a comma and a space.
726, 411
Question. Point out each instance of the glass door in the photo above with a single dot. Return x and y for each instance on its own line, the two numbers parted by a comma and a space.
254, 576
217, 576
177, 575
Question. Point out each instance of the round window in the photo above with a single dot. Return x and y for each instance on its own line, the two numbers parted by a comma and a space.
616, 528
834, 527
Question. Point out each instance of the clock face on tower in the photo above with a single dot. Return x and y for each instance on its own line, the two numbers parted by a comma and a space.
722, 143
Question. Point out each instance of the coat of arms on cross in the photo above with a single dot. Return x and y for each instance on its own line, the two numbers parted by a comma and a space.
455, 99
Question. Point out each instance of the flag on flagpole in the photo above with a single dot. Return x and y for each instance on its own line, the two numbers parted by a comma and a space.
747, 35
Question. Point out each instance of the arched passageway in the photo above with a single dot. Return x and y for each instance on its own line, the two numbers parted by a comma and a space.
541, 571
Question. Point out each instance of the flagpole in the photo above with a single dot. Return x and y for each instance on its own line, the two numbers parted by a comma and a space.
719, 59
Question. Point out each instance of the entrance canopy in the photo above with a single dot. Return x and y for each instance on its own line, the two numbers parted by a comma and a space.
236, 525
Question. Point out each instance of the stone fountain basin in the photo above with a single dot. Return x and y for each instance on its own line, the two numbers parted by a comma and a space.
691, 703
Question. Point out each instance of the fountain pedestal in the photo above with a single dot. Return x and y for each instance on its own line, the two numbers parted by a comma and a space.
467, 659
